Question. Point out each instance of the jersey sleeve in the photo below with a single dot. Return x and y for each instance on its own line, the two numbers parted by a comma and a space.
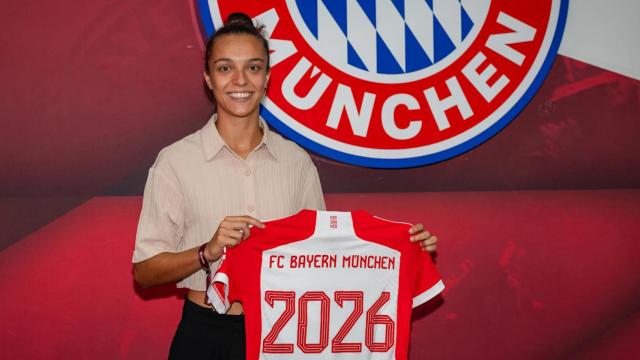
428, 282
220, 291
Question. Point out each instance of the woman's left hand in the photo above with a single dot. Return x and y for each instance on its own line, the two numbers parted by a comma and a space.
426, 239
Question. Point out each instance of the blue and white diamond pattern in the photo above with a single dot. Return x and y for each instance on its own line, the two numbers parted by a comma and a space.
389, 36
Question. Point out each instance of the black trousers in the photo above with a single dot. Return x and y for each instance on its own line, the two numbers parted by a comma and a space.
203, 334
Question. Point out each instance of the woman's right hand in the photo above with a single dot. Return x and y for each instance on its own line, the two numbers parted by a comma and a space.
231, 231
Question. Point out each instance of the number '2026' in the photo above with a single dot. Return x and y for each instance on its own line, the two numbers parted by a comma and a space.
337, 343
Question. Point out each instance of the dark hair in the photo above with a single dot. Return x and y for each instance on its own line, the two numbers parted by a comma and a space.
237, 23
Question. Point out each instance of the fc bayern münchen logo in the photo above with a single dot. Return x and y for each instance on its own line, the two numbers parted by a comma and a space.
399, 83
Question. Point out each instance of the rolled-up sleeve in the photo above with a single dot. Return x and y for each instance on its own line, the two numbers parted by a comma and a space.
162, 217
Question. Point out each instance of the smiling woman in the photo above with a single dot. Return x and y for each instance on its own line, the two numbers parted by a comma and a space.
234, 165
238, 75
237, 68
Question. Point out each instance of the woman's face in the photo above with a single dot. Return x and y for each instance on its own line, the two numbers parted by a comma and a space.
238, 75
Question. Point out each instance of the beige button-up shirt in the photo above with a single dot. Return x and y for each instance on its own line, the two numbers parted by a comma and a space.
197, 181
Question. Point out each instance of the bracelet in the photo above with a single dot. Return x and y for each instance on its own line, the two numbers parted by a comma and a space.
205, 266
203, 260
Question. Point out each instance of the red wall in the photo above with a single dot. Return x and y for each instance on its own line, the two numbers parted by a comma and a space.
528, 275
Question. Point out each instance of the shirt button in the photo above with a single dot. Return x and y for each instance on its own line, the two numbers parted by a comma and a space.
247, 172
251, 208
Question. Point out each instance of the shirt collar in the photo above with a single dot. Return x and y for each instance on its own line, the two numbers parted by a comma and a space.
212, 142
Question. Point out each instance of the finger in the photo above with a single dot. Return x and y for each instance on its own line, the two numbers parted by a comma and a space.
421, 236
234, 225
247, 219
231, 234
416, 229
430, 248
232, 242
429, 241
240, 226
429, 244
246, 232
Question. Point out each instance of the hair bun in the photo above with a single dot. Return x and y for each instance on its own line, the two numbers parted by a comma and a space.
239, 19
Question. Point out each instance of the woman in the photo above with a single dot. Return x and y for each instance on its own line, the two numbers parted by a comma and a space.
233, 165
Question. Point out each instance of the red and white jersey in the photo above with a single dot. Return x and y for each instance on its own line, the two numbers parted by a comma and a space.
326, 285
